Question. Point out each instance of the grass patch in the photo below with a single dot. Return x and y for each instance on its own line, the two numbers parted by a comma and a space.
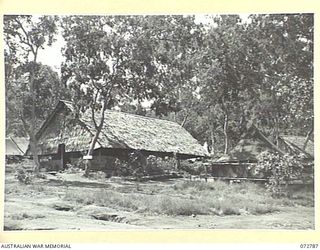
158, 204
185, 198
11, 225
24, 216
197, 186
177, 206
106, 198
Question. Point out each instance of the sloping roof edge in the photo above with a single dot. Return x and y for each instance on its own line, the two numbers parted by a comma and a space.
294, 147
59, 105
20, 147
252, 133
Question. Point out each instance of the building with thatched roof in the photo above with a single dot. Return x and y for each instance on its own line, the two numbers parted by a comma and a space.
122, 133
240, 161
296, 145
253, 143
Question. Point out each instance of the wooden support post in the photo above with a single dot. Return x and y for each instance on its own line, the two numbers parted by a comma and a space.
61, 151
177, 160
206, 173
100, 159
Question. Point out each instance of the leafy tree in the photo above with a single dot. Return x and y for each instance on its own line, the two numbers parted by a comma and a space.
283, 50
256, 71
107, 60
226, 76
48, 91
25, 35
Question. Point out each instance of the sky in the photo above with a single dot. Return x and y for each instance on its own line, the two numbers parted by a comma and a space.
52, 55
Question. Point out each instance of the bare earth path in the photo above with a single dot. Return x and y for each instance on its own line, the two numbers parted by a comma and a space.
45, 209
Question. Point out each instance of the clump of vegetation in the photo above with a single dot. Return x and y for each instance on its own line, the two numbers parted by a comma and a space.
76, 165
279, 170
11, 225
157, 165
197, 185
133, 166
178, 206
26, 177
23, 176
194, 168
138, 165
24, 215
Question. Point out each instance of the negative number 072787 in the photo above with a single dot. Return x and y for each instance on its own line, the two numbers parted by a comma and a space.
308, 245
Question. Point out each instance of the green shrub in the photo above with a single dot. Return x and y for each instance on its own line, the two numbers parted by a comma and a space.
279, 170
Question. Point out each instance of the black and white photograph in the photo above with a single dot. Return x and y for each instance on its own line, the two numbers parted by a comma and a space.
159, 122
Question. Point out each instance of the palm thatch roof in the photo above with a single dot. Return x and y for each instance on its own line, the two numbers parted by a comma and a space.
121, 131
247, 150
249, 147
295, 144
16, 146
255, 142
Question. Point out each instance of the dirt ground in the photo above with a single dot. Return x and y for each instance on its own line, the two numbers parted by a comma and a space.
43, 207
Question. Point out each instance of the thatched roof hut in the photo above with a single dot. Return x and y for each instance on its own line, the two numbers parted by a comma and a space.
249, 147
16, 146
240, 161
120, 131
255, 142
294, 144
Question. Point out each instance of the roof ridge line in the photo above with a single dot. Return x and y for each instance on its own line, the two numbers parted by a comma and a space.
126, 113
141, 116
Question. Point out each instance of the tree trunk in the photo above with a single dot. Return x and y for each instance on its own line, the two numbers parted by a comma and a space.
8, 124
177, 161
89, 156
276, 127
225, 132
212, 139
32, 132
90, 152
307, 138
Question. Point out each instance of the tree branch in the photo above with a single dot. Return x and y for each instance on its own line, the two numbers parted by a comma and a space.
26, 35
184, 120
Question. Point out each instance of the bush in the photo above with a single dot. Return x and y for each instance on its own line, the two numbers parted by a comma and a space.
23, 176
193, 167
279, 170
157, 165
138, 165
78, 163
